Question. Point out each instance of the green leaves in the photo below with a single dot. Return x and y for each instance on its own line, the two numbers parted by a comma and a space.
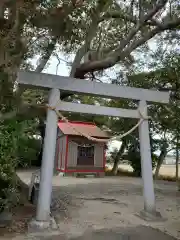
15, 150
8, 149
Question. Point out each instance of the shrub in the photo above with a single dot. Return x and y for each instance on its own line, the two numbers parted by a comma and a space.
27, 152
134, 159
16, 148
9, 134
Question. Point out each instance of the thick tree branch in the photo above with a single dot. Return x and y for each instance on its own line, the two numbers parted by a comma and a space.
82, 51
140, 24
146, 19
168, 26
119, 15
120, 53
45, 58
91, 32
111, 60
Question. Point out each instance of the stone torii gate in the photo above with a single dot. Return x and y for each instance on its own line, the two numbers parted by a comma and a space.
58, 84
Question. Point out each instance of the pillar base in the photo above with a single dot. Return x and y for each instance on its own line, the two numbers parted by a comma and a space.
41, 226
154, 216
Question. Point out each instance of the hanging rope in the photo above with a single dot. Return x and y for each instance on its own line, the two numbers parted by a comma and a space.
118, 137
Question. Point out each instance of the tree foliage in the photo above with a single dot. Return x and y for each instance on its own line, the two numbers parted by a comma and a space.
17, 148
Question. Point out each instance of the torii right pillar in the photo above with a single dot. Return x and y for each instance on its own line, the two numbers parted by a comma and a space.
149, 212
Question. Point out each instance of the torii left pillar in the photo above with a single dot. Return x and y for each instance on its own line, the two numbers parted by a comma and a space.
43, 219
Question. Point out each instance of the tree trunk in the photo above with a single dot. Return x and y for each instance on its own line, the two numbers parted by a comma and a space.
117, 158
177, 162
161, 159
42, 133
177, 165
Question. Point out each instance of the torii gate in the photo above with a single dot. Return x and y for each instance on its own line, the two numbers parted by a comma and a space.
58, 84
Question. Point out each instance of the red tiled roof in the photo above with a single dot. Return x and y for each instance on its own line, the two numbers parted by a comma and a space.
88, 128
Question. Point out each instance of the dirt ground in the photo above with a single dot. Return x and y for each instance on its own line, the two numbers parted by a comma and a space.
81, 205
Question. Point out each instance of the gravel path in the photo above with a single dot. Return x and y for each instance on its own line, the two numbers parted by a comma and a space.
110, 203
89, 205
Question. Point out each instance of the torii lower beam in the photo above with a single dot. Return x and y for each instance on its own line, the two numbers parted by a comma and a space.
97, 110
41, 80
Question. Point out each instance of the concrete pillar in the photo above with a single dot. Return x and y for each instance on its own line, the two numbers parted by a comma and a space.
146, 162
45, 191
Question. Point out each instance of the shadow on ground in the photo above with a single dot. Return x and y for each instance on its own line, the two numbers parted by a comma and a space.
130, 233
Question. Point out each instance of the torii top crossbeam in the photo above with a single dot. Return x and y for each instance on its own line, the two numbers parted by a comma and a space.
43, 80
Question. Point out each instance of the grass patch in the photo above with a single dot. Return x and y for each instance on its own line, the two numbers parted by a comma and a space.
126, 173
167, 178
121, 172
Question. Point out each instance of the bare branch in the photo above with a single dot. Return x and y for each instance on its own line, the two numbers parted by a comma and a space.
61, 59
57, 66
